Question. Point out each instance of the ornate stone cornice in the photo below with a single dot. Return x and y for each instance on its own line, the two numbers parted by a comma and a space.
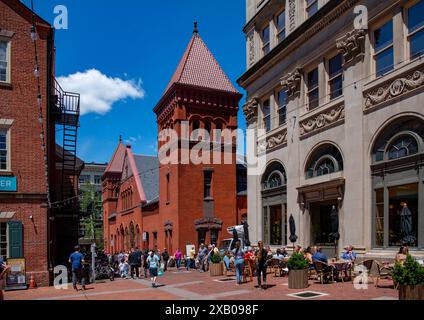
322, 120
250, 109
394, 88
291, 82
273, 141
352, 45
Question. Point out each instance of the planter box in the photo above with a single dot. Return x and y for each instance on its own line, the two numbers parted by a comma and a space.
216, 269
298, 279
411, 292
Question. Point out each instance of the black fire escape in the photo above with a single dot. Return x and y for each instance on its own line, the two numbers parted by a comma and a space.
67, 111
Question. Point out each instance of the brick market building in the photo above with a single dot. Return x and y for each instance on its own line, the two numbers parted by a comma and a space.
154, 205
30, 165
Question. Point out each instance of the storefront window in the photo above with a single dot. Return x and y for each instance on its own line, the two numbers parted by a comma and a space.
403, 215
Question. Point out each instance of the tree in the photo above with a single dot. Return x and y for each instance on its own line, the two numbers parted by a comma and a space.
92, 214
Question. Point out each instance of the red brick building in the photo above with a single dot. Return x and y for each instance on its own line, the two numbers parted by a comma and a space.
28, 162
151, 204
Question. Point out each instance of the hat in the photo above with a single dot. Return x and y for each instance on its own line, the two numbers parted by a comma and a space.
150, 252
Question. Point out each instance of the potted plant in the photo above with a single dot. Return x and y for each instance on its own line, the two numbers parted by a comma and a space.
298, 271
409, 278
217, 266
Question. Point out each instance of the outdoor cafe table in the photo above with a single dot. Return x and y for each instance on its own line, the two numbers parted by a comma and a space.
341, 266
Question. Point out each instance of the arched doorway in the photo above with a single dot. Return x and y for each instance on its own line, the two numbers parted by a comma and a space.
274, 205
397, 183
323, 197
137, 237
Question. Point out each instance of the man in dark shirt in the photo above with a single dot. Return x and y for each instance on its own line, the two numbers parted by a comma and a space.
76, 260
165, 257
135, 262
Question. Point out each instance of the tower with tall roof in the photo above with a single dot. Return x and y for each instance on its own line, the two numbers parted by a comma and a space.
198, 201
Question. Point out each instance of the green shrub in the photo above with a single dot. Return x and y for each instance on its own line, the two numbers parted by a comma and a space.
297, 262
411, 273
216, 258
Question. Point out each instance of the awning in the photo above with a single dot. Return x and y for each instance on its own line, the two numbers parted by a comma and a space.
6, 215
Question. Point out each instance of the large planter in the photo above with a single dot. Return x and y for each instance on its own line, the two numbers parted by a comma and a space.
298, 279
411, 292
216, 269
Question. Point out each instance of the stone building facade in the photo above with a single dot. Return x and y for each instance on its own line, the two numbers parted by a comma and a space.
338, 111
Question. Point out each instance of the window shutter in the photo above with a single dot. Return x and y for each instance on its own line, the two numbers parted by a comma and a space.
15, 239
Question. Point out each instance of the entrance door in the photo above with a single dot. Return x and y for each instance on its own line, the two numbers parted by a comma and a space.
321, 226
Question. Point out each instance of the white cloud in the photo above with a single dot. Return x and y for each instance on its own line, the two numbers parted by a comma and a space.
98, 91
131, 141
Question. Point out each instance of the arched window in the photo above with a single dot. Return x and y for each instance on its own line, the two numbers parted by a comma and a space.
137, 236
274, 177
397, 171
326, 159
195, 124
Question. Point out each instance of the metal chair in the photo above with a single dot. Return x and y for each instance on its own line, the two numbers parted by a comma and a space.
367, 266
383, 272
323, 270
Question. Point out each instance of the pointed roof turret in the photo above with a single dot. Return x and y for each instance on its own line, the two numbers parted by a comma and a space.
199, 68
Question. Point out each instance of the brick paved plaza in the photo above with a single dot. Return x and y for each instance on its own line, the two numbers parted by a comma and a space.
201, 286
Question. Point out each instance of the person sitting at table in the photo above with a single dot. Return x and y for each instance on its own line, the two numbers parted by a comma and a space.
278, 255
309, 257
284, 252
298, 249
349, 254
319, 256
402, 254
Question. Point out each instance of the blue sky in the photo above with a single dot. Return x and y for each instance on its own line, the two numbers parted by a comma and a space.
138, 44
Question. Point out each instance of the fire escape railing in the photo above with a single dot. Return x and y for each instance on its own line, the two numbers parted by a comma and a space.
67, 110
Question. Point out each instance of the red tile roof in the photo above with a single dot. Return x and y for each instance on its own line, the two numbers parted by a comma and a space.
199, 68
117, 162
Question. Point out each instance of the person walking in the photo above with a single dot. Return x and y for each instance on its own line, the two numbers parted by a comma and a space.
76, 260
134, 262
178, 255
153, 261
203, 253
139, 260
239, 262
165, 258
190, 258
261, 259
145, 263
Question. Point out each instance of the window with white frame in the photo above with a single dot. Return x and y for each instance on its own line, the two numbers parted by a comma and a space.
4, 149
311, 7
335, 76
4, 61
266, 111
383, 48
415, 23
3, 240
281, 26
282, 110
266, 45
313, 89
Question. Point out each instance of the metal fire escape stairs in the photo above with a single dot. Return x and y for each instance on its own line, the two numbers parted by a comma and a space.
67, 111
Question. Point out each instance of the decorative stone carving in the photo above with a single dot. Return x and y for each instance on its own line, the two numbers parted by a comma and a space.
208, 224
273, 141
322, 120
291, 82
168, 225
395, 88
352, 45
292, 14
250, 109
251, 47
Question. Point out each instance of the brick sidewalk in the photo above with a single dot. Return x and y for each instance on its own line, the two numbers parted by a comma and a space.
201, 286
